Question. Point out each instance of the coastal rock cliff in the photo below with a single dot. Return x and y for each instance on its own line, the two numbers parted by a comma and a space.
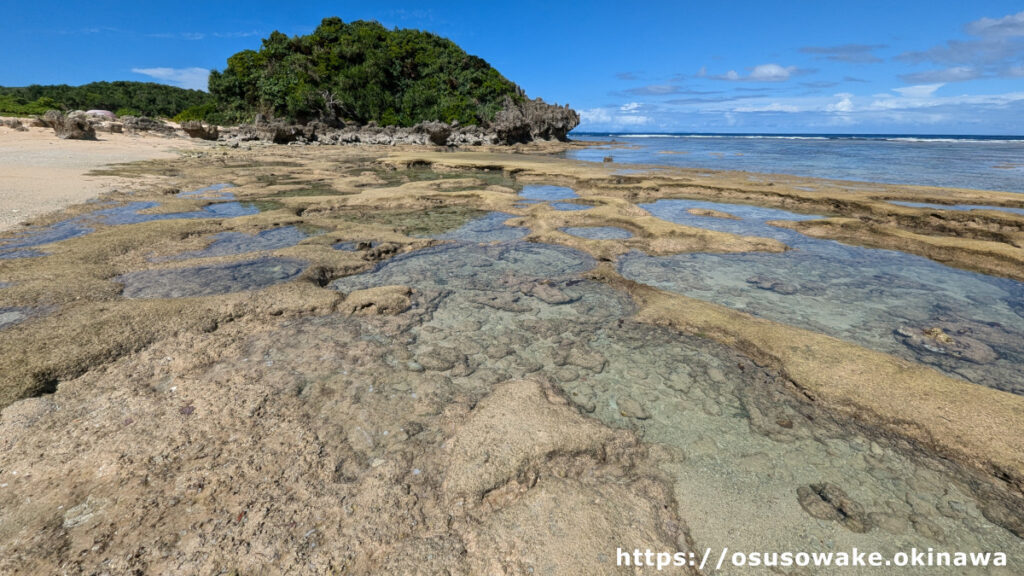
517, 122
533, 120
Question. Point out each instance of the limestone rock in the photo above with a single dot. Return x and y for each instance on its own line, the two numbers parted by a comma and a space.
829, 502
197, 129
71, 126
138, 124
383, 300
533, 120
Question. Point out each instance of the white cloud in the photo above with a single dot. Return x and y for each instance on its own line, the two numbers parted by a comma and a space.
595, 116
993, 52
771, 73
844, 105
954, 74
1005, 27
763, 73
773, 107
192, 78
614, 117
919, 91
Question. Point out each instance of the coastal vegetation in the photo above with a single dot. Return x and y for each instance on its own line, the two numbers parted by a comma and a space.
361, 72
123, 97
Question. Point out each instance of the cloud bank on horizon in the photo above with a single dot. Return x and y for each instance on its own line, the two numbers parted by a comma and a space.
974, 83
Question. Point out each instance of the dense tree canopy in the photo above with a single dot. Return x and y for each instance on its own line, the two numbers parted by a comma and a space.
137, 98
360, 72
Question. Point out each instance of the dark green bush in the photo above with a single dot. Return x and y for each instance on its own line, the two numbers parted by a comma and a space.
144, 98
360, 71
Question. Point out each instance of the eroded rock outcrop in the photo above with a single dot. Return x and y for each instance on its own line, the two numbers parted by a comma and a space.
71, 126
138, 124
533, 120
518, 122
201, 130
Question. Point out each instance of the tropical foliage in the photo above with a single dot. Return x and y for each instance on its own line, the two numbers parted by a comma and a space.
360, 72
142, 98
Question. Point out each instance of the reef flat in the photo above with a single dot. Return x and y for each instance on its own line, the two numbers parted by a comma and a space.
372, 359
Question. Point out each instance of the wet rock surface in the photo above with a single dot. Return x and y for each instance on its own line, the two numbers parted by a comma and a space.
829, 502
208, 280
881, 299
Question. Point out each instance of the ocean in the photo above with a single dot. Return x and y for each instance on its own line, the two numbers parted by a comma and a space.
979, 162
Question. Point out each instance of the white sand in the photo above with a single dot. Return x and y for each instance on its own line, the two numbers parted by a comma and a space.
40, 173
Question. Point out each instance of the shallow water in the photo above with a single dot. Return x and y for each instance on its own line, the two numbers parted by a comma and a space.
598, 232
355, 246
490, 228
547, 193
208, 280
858, 294
569, 206
213, 192
232, 243
130, 213
739, 446
987, 164
11, 316
959, 207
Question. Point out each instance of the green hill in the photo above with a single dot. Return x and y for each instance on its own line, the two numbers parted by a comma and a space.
136, 98
359, 72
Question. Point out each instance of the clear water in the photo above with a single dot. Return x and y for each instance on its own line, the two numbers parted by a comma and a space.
209, 280
986, 164
569, 206
862, 295
547, 193
11, 316
490, 228
213, 192
232, 243
131, 213
961, 207
355, 246
598, 232
739, 446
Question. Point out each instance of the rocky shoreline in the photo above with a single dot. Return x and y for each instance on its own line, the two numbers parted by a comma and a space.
454, 381
518, 123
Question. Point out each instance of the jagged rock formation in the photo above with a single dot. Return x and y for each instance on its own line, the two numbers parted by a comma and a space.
533, 120
71, 126
518, 122
197, 129
137, 124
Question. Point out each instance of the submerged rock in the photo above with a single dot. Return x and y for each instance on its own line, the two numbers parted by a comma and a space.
936, 340
829, 502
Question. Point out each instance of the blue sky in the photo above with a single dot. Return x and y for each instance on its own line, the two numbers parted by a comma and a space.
927, 67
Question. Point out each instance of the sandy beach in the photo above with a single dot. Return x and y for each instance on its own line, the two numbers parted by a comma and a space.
42, 173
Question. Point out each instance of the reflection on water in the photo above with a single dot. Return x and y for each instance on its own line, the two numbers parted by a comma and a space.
131, 213
963, 323
208, 280
547, 193
232, 243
